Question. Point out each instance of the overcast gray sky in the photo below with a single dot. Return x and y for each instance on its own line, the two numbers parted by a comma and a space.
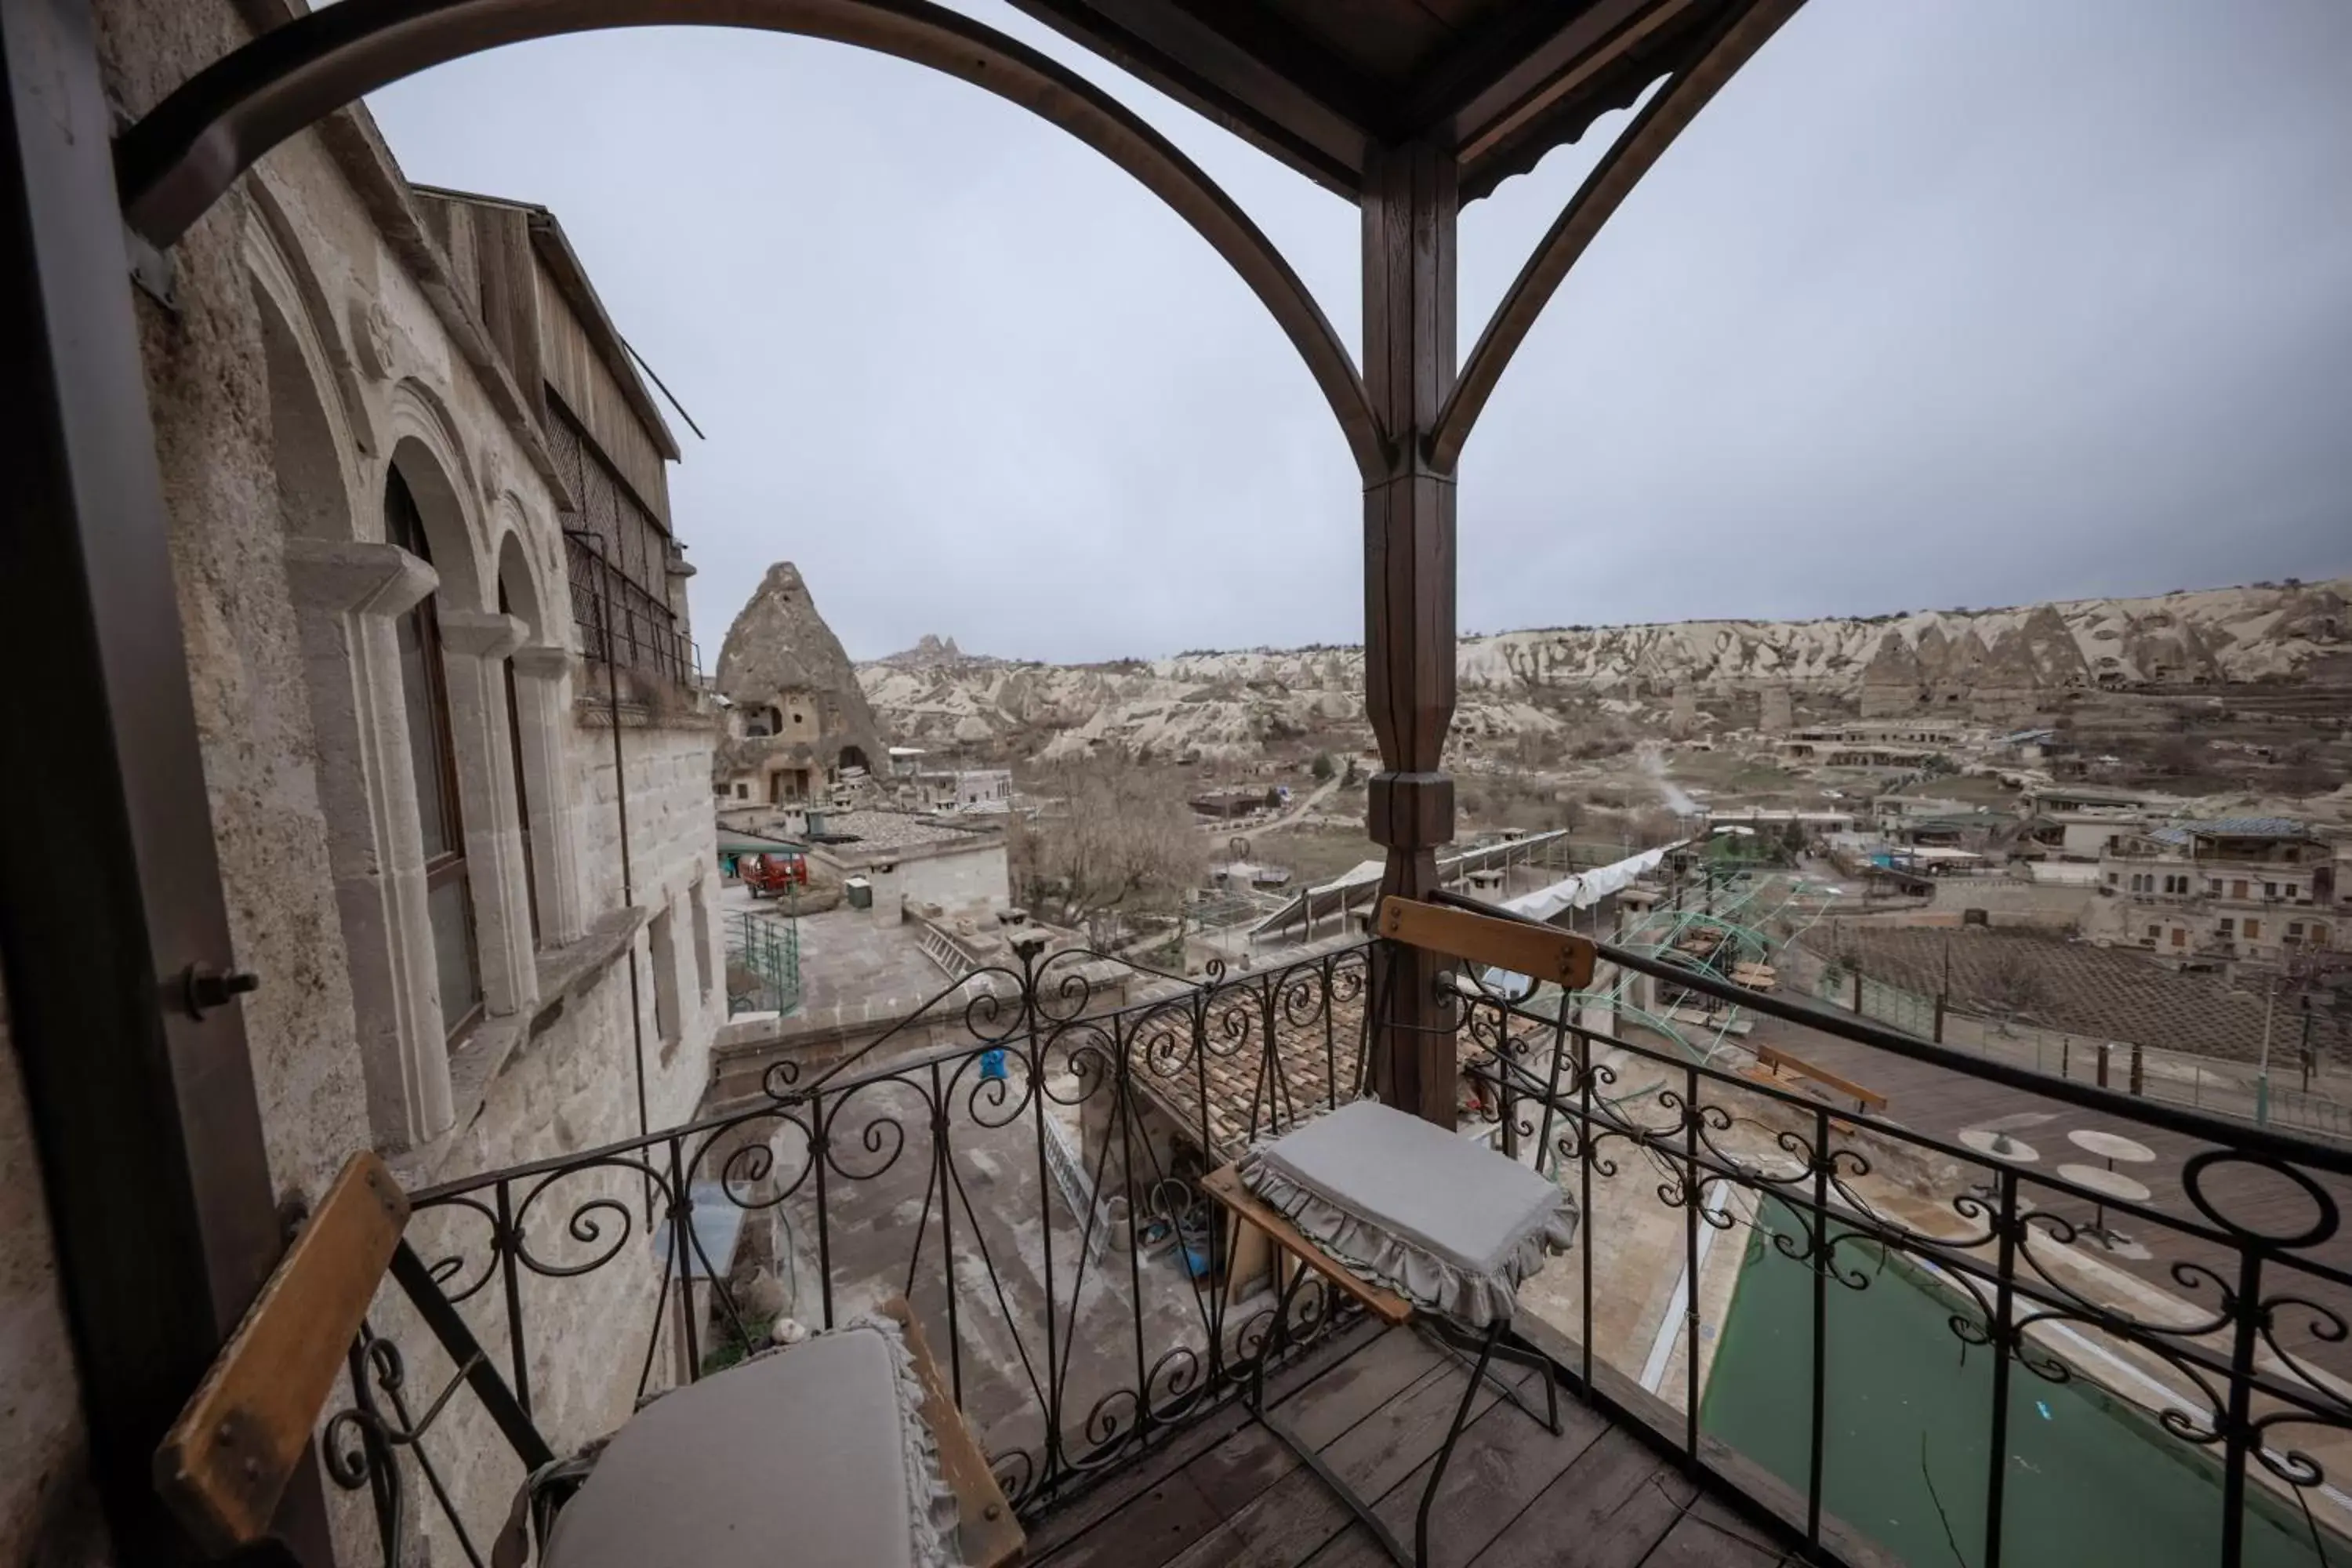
1941, 302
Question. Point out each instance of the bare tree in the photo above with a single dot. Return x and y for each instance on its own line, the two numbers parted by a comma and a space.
2014, 984
1116, 839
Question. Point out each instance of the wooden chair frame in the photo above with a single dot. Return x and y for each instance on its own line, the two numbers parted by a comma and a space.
1244, 1208
225, 1465
1515, 946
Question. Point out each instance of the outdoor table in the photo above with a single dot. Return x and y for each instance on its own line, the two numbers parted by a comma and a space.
2104, 1184
2000, 1146
2111, 1147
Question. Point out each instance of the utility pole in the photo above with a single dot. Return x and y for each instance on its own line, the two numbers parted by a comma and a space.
2263, 1069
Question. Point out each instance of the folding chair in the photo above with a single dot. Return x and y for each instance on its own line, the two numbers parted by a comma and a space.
842, 1452
1420, 1226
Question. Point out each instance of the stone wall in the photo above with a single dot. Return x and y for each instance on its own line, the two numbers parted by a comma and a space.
48, 1514
317, 336
978, 878
674, 856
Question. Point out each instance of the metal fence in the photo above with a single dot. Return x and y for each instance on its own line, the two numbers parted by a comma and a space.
2220, 1087
763, 963
1078, 1331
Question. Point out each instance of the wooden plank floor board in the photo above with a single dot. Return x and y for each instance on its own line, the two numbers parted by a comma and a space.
1228, 1495
1154, 1526
1294, 1520
1608, 1509
1352, 1358
1711, 1536
1502, 1463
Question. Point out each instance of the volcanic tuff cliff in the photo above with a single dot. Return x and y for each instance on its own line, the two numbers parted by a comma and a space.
1511, 682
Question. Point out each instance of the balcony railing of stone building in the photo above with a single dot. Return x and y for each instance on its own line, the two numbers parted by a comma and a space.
619, 620
2204, 1325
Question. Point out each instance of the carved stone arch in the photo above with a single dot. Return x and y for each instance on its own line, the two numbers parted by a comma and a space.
271, 229
520, 572
316, 449
424, 445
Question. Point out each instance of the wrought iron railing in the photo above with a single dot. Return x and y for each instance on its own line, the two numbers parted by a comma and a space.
1074, 1334
2198, 1330
1029, 1189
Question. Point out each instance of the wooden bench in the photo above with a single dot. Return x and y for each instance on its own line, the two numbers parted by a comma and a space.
1779, 1061
223, 1465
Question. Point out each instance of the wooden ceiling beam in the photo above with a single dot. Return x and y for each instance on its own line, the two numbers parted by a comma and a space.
1519, 58
1263, 81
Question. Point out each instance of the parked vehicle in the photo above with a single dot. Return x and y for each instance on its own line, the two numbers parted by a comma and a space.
773, 875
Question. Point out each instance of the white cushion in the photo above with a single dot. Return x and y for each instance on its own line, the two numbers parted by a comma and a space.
792, 1460
1445, 1221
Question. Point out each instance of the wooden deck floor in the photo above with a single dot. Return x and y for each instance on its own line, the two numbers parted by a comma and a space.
1376, 1407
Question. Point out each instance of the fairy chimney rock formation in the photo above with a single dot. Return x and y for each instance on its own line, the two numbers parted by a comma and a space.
1893, 683
800, 718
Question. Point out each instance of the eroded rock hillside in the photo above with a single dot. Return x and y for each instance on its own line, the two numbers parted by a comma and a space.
2031, 658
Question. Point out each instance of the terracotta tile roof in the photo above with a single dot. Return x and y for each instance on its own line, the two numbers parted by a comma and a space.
1317, 1035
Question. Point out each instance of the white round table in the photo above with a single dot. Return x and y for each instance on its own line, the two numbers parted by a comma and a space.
2104, 1184
2112, 1147
2000, 1145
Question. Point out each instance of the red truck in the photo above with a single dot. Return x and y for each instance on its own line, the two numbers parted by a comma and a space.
773, 873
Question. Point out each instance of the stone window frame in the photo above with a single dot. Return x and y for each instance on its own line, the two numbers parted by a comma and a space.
433, 751
668, 1001
706, 967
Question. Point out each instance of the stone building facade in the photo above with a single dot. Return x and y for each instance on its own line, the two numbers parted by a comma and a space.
390, 423
2259, 891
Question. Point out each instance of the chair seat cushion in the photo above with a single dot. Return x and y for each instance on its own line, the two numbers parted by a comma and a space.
814, 1456
1445, 1222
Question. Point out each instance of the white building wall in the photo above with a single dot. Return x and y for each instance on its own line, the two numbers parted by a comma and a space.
972, 879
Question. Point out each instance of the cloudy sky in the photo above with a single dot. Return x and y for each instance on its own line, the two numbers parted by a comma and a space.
1941, 302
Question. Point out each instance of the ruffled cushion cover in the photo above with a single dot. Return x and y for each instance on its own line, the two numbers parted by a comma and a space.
1448, 1223
812, 1457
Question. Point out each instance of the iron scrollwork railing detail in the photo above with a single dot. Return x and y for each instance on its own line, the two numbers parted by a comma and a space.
2226, 1371
1074, 1336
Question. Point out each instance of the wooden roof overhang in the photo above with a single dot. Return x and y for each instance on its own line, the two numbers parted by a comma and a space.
1495, 83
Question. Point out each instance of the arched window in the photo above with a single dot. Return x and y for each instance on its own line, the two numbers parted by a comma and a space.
424, 690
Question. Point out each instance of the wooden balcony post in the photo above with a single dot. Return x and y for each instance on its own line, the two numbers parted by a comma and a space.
1409, 208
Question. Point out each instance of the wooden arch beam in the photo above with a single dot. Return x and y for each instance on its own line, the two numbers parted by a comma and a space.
1604, 190
174, 163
